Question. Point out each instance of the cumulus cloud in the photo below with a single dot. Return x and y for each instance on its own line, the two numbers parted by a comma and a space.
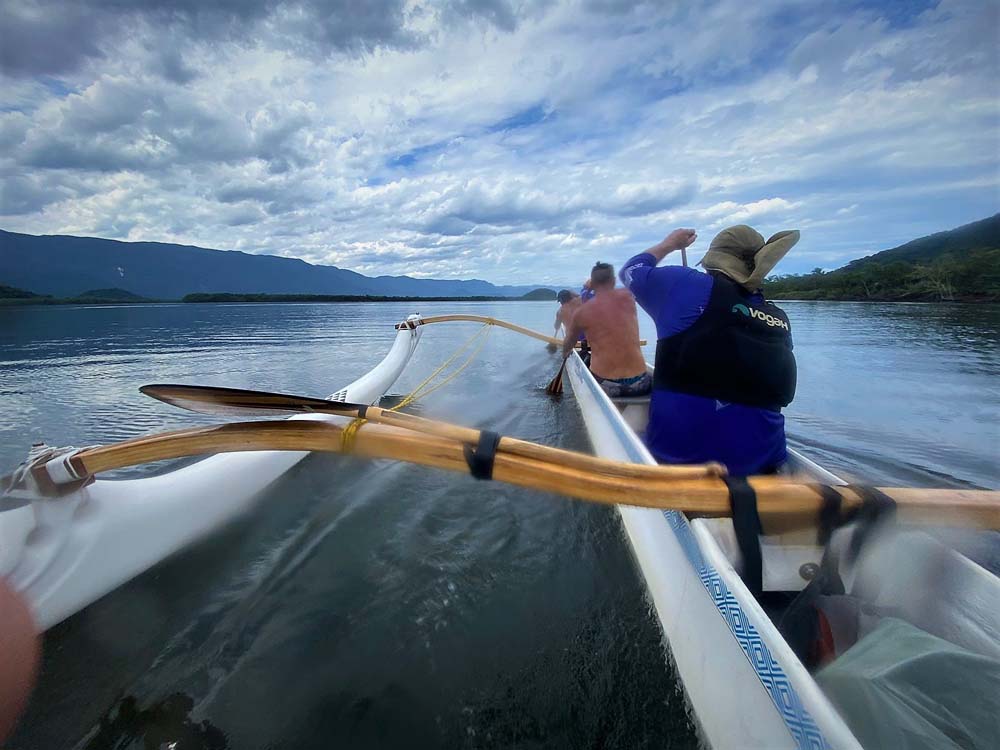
509, 140
57, 36
40, 38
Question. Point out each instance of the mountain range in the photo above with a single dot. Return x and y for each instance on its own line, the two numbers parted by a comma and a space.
66, 266
961, 263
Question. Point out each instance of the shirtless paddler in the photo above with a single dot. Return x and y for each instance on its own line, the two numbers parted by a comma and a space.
611, 325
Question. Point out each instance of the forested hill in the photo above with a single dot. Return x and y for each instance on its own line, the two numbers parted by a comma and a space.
960, 264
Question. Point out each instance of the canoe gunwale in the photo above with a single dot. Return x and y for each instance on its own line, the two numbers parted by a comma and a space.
797, 704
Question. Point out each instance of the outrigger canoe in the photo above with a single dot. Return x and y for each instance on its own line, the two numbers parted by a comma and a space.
745, 684
56, 550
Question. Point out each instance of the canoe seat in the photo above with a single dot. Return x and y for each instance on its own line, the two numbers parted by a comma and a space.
635, 410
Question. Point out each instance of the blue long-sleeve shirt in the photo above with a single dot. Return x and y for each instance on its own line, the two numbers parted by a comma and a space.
687, 429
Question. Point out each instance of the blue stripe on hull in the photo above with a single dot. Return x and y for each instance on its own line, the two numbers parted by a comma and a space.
783, 694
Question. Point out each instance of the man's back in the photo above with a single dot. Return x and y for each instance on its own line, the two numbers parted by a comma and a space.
612, 327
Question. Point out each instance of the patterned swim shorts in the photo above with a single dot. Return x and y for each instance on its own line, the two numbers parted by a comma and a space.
640, 385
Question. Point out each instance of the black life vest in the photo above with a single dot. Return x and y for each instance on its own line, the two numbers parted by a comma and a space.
737, 351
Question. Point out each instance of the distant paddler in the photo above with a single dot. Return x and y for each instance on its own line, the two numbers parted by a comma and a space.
569, 303
611, 325
724, 361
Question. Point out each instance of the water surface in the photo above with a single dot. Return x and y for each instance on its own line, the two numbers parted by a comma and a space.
377, 605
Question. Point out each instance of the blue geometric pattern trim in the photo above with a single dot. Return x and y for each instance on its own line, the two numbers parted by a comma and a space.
797, 718
799, 721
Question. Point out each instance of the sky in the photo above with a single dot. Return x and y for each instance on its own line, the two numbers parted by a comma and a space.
507, 140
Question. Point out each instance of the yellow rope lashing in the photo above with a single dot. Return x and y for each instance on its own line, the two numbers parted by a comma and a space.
349, 434
425, 388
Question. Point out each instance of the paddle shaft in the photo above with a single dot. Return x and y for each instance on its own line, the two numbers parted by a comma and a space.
783, 505
491, 321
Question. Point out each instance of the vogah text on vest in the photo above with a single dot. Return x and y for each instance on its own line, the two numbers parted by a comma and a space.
754, 313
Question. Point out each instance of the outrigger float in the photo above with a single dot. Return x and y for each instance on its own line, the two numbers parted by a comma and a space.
723, 604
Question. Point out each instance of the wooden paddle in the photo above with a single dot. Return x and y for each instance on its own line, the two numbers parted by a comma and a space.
484, 319
555, 386
783, 504
235, 401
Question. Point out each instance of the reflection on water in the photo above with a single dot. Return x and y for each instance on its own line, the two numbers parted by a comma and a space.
372, 604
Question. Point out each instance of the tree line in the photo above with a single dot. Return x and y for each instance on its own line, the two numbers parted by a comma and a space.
969, 276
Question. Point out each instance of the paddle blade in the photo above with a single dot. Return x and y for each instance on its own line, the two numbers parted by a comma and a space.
236, 402
555, 386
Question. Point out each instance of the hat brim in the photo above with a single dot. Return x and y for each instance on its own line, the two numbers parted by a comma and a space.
765, 259
776, 248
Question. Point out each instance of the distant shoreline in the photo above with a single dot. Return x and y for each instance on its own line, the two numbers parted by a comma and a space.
258, 299
268, 298
966, 299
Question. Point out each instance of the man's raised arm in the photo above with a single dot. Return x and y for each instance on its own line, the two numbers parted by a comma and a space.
635, 270
676, 240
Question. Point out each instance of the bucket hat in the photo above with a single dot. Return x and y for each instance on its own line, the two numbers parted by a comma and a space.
741, 253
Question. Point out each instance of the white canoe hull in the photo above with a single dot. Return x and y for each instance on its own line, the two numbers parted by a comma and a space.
746, 686
66, 553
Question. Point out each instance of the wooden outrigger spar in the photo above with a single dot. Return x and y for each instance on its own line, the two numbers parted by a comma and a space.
700, 490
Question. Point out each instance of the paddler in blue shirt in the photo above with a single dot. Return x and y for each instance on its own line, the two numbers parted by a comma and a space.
724, 361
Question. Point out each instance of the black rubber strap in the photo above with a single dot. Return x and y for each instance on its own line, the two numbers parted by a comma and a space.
746, 524
362, 411
480, 459
875, 501
876, 507
829, 514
